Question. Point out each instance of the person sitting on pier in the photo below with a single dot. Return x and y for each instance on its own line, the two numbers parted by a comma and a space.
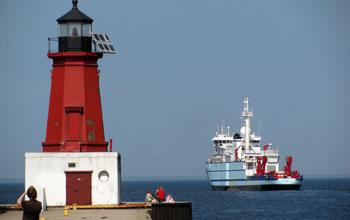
169, 198
149, 197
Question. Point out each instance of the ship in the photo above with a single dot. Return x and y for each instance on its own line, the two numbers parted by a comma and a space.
239, 163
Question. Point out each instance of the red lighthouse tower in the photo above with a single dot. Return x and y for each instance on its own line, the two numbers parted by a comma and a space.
75, 121
75, 167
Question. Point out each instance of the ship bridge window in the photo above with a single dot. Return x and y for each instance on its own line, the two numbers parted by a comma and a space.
224, 142
216, 142
250, 165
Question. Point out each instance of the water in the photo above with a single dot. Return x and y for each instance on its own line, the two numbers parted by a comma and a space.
10, 192
316, 199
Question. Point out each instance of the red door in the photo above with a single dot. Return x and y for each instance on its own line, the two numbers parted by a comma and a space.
78, 188
73, 129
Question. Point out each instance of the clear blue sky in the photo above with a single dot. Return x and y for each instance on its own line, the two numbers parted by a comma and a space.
180, 66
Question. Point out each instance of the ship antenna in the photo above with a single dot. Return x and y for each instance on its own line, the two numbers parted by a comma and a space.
259, 126
217, 124
246, 114
223, 126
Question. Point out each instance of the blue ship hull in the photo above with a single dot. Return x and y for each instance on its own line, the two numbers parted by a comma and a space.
231, 176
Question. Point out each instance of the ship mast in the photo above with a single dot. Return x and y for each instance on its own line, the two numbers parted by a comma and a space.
247, 113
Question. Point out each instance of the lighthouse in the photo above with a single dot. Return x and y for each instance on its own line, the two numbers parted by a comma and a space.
75, 166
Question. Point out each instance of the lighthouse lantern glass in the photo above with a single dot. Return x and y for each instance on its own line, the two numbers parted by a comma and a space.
74, 29
63, 30
86, 30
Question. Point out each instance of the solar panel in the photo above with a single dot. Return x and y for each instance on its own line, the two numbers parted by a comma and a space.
103, 43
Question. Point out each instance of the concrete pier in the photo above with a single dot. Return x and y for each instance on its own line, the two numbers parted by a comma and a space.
87, 214
132, 211
127, 210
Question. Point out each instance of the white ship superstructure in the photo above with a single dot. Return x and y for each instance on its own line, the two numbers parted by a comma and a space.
239, 162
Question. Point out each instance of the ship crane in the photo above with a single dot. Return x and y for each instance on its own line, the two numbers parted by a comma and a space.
261, 162
288, 168
266, 147
236, 152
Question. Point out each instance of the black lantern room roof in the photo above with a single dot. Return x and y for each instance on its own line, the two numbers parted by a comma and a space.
75, 15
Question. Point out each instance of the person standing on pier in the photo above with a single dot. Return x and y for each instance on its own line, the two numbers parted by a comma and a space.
157, 194
32, 208
161, 195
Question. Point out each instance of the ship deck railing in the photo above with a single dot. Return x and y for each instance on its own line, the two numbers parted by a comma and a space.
270, 152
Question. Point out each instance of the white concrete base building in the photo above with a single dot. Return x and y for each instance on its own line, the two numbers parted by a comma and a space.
84, 178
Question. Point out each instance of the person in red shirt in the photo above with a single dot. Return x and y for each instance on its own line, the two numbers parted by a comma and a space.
161, 195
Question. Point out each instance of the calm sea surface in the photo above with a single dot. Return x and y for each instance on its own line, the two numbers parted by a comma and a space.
316, 199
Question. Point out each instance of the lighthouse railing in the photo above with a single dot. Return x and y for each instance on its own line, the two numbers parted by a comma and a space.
52, 49
54, 41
